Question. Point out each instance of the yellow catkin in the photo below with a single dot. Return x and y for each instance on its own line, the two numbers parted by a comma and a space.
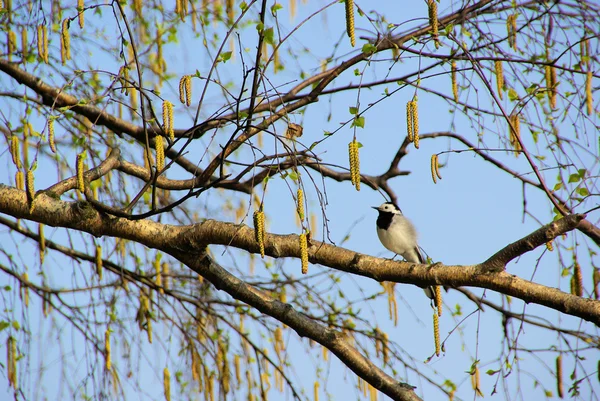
454, 82
99, 261
167, 384
20, 180
230, 10
515, 132
166, 271
160, 152
596, 281
304, 252
578, 278
300, 203
354, 164
65, 42
81, 17
415, 122
182, 89
554, 82
238, 368
511, 29
433, 21
11, 361
499, 78
559, 376
158, 272
316, 391
45, 43
24, 43
385, 348
25, 290
79, 170
434, 167
476, 382
436, 333
108, 364
409, 125
549, 246
15, 151
589, 100
168, 119
438, 298
259, 230
51, 140
29, 185
350, 21
11, 42
42, 242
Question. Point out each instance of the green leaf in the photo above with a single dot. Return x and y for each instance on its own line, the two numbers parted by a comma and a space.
293, 175
512, 95
269, 36
225, 56
582, 172
276, 7
243, 5
583, 191
16, 325
327, 133
353, 110
359, 145
557, 186
368, 48
574, 178
3, 325
359, 122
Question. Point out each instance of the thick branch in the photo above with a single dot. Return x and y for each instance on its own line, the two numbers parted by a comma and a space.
172, 239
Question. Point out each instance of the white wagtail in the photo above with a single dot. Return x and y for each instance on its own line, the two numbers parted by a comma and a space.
398, 235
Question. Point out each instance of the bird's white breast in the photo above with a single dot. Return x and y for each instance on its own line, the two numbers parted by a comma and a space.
400, 237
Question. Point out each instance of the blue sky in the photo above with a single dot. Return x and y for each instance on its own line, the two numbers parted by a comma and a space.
466, 217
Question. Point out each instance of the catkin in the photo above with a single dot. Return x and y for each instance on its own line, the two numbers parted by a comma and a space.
79, 170
167, 384
350, 21
511, 28
51, 140
385, 349
15, 151
559, 376
168, 119
475, 381
11, 362
499, 78
300, 205
160, 152
20, 180
65, 49
185, 90
435, 168
515, 132
158, 272
415, 122
436, 333
454, 82
596, 281
578, 279
316, 391
409, 124
26, 290
437, 290
354, 164
42, 242
304, 252
553, 91
11, 42
29, 185
589, 100
81, 18
108, 364
549, 246
433, 21
259, 230
24, 43
99, 262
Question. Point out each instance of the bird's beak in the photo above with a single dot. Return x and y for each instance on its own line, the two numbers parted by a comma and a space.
375, 207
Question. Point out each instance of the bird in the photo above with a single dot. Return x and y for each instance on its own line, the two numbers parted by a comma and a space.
399, 235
